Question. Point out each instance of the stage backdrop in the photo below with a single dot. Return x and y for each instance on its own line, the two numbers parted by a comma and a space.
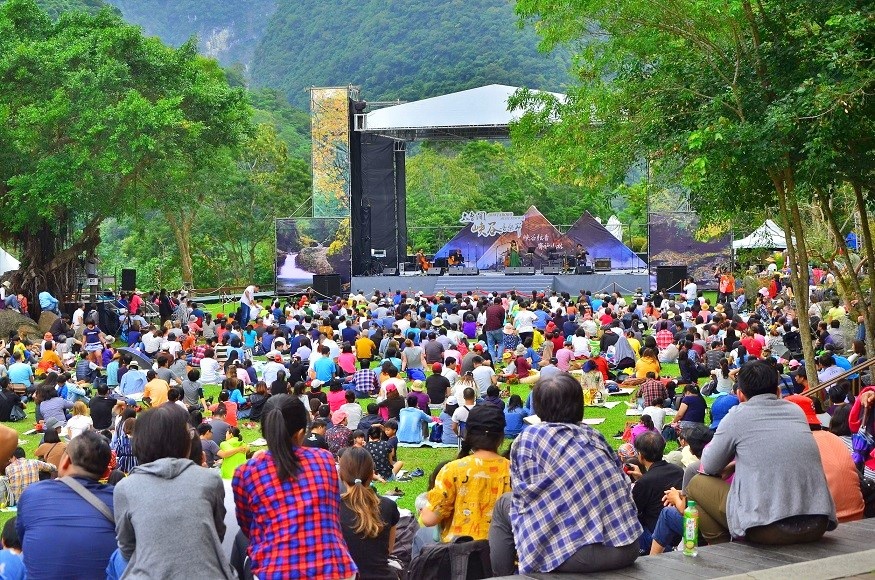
485, 241
308, 246
674, 241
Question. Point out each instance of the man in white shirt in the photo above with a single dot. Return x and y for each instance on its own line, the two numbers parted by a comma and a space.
449, 372
483, 375
690, 290
78, 317
247, 300
272, 367
460, 415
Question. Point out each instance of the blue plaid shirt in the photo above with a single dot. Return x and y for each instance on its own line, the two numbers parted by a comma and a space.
569, 491
365, 381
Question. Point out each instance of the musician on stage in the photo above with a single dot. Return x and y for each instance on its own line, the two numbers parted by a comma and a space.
514, 257
422, 264
581, 255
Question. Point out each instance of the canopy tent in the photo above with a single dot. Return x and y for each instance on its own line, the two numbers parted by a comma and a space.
769, 236
7, 262
601, 243
480, 113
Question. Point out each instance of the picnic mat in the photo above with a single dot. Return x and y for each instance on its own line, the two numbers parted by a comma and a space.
535, 420
622, 392
427, 444
608, 405
636, 412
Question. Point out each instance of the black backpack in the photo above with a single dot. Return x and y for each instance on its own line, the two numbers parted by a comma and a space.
463, 559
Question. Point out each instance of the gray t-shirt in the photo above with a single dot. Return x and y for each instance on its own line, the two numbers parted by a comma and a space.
193, 392
483, 377
414, 357
164, 374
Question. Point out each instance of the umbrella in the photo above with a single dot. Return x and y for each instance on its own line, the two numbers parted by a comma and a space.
862, 442
145, 362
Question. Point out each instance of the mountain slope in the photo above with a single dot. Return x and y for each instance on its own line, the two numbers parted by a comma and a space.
228, 30
407, 49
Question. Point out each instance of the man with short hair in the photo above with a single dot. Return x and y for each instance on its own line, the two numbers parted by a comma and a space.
652, 390
483, 375
156, 389
493, 327
20, 372
324, 369
23, 472
756, 504
658, 476
62, 535
101, 407
133, 383
247, 303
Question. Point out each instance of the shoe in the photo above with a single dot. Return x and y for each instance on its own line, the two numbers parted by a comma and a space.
418, 472
404, 478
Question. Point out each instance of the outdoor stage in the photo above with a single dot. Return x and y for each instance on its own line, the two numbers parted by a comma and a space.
624, 281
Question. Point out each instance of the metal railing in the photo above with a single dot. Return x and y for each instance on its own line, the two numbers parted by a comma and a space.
855, 384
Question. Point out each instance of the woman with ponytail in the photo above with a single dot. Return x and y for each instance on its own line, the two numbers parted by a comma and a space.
368, 520
288, 501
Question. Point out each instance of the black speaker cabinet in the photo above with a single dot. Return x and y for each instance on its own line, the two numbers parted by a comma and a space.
129, 279
327, 284
390, 271
434, 271
602, 264
670, 277
586, 269
551, 270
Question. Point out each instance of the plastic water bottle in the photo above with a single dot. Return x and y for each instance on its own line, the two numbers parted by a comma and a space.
691, 529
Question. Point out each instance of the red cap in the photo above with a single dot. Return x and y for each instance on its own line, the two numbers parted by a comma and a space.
436, 368
391, 387
807, 407
478, 347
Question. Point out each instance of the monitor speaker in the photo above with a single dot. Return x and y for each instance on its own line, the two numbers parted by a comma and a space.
129, 279
511, 271
551, 270
434, 271
457, 271
327, 284
390, 271
602, 264
473, 271
586, 269
527, 270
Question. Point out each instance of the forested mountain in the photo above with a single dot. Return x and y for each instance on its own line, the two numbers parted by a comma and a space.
54, 8
407, 49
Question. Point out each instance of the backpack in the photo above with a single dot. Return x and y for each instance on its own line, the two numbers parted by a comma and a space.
437, 433
463, 425
463, 559
416, 374
6, 495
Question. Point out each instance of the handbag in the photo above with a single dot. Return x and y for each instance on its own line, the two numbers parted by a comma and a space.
862, 442
17, 414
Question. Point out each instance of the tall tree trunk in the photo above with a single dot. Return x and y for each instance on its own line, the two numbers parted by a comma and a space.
182, 232
850, 277
869, 250
798, 252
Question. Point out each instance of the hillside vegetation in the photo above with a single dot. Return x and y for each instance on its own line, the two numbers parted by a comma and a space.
393, 49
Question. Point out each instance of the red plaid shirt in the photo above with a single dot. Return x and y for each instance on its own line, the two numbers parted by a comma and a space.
652, 390
663, 339
293, 525
198, 354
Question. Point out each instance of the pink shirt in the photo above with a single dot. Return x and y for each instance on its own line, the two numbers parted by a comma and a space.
347, 361
563, 358
336, 399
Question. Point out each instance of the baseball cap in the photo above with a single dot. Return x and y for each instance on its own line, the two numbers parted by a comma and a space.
478, 347
134, 365
486, 419
338, 416
391, 387
51, 423
452, 400
807, 406
436, 368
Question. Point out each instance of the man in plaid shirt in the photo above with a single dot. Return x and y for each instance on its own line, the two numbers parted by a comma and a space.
23, 472
364, 383
652, 390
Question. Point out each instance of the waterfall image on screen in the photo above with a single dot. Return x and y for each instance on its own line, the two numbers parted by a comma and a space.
309, 246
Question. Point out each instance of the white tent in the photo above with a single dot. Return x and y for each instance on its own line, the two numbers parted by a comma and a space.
769, 236
615, 227
7, 262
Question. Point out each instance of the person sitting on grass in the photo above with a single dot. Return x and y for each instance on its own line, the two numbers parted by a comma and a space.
316, 437
371, 418
383, 455
756, 505
337, 435
11, 559
367, 519
233, 452
466, 489
412, 422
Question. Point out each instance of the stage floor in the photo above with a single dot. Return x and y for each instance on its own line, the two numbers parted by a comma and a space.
625, 282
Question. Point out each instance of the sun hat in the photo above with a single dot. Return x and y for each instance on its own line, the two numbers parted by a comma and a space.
134, 365
416, 386
520, 350
451, 400
338, 416
51, 423
508, 328
437, 322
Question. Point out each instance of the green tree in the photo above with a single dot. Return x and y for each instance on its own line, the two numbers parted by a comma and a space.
723, 98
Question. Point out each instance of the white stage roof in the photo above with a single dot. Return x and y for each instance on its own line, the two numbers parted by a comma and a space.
471, 114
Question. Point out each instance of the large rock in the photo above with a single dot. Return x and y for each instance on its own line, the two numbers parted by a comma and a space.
46, 320
12, 321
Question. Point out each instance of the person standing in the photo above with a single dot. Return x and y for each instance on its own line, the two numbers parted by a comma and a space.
247, 301
514, 255
493, 327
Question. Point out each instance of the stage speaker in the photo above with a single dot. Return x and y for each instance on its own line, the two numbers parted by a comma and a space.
602, 264
511, 271
390, 271
327, 284
528, 270
456, 271
587, 269
475, 271
129, 279
434, 271
670, 277
551, 270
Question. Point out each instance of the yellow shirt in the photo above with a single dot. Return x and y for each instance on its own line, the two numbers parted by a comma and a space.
646, 365
364, 347
635, 344
465, 492
537, 340
157, 390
